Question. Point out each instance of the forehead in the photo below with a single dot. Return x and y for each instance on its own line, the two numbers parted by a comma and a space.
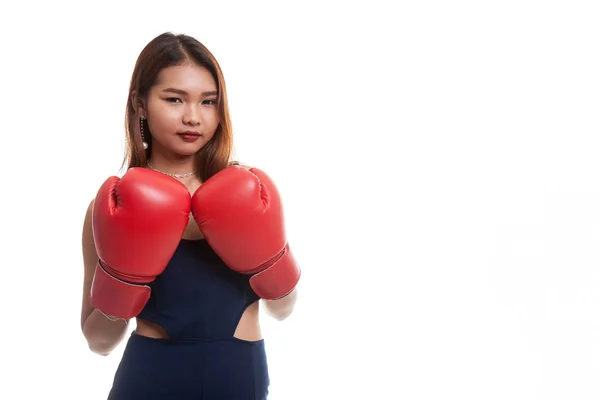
189, 77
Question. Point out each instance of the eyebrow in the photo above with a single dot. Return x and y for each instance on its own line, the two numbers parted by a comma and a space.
183, 92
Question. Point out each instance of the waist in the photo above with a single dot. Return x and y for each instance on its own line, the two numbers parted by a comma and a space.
197, 344
248, 329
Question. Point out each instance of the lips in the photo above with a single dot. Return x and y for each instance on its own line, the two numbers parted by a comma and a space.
189, 136
189, 133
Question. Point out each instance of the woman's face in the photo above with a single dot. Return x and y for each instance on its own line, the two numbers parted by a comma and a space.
181, 109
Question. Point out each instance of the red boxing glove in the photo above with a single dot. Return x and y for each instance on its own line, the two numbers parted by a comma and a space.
138, 222
239, 212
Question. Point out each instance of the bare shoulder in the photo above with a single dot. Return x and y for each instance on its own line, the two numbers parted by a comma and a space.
239, 164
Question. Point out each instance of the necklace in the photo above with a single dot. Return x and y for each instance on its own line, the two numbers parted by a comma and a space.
171, 175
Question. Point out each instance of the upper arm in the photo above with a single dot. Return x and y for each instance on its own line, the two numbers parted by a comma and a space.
90, 258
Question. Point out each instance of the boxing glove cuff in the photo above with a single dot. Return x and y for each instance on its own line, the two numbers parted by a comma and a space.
279, 279
116, 297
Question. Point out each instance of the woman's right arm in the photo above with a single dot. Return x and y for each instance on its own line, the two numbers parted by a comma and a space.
101, 333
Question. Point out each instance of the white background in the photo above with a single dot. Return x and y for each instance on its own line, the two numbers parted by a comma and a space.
439, 167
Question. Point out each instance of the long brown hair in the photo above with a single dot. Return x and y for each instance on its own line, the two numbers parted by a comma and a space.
167, 50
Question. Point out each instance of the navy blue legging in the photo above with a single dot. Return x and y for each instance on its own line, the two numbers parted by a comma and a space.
153, 369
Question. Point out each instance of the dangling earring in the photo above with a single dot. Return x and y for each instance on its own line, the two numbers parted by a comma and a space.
144, 144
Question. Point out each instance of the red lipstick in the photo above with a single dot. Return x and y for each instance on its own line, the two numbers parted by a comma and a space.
189, 136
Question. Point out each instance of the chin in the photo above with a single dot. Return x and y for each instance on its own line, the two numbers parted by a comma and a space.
187, 149
185, 153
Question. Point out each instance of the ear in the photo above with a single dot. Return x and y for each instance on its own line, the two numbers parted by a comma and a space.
138, 103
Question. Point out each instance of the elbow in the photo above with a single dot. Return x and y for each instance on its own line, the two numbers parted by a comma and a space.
101, 341
282, 308
282, 315
100, 345
99, 349
97, 344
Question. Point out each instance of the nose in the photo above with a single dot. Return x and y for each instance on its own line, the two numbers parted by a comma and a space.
191, 115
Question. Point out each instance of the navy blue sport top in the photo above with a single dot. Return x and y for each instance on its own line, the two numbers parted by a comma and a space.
199, 301
198, 296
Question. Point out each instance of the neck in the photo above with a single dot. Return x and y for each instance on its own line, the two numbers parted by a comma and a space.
172, 165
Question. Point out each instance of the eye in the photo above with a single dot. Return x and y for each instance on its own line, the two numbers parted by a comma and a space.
172, 99
210, 101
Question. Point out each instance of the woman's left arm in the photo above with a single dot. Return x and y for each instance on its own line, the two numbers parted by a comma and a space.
281, 308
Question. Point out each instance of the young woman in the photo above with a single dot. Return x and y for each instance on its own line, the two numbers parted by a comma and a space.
186, 242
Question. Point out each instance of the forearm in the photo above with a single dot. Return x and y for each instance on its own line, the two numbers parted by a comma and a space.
102, 334
281, 308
